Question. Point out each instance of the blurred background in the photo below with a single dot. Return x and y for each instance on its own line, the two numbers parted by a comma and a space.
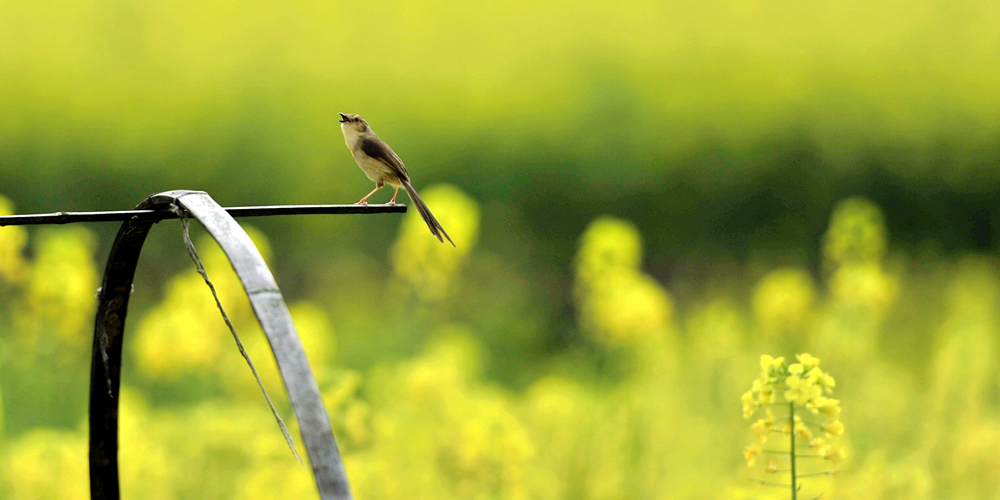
645, 197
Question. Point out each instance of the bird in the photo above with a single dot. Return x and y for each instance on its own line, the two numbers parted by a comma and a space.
382, 165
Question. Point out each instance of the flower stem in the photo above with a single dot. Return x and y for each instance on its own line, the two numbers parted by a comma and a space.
791, 418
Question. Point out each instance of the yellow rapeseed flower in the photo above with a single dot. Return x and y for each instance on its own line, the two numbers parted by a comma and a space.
801, 390
618, 303
749, 405
767, 363
782, 301
429, 268
814, 375
816, 403
803, 432
803, 385
807, 360
61, 284
766, 396
787, 429
857, 233
762, 427
828, 382
820, 445
835, 455
771, 467
834, 429
831, 408
750, 453
13, 267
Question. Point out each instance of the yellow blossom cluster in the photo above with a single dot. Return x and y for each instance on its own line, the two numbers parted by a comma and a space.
802, 383
618, 303
786, 387
423, 264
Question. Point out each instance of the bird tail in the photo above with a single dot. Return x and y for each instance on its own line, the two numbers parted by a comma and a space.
426, 214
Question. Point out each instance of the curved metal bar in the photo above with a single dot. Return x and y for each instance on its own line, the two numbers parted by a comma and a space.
271, 311
106, 356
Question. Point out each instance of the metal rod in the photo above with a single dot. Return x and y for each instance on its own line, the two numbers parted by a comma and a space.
158, 215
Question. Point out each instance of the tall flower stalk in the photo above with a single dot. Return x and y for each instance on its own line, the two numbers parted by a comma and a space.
780, 396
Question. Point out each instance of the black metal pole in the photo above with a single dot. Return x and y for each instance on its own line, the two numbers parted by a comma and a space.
158, 215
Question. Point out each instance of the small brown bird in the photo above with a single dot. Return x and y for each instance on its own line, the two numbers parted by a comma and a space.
382, 165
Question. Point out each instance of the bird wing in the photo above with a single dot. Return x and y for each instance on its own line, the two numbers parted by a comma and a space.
377, 149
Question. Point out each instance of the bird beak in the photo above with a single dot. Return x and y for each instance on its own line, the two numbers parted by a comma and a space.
343, 118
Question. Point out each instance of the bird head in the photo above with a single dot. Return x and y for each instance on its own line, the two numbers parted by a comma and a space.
353, 122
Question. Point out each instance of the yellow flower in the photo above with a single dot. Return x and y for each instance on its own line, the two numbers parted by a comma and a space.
826, 405
771, 467
828, 382
814, 375
807, 360
801, 390
749, 405
427, 267
834, 429
764, 389
787, 429
782, 301
750, 453
766, 396
831, 408
835, 454
759, 428
762, 427
767, 363
816, 403
857, 234
803, 384
803, 432
820, 445
13, 267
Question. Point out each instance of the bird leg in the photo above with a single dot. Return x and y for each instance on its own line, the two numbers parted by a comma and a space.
393, 200
364, 201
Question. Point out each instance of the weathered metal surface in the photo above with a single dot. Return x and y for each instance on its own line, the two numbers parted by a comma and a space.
271, 311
